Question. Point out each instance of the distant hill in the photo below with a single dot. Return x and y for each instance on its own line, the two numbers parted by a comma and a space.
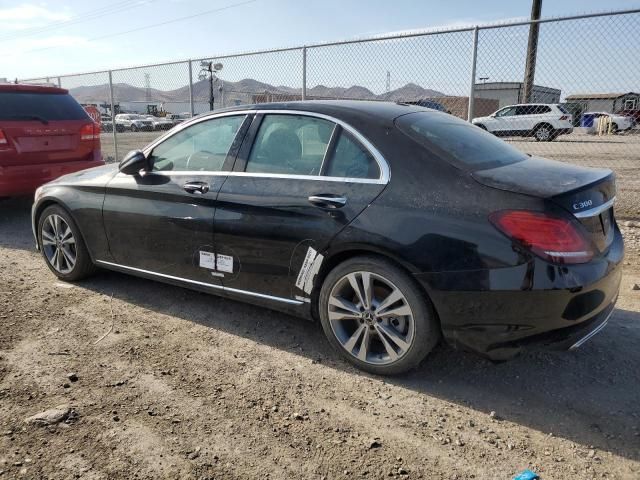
242, 90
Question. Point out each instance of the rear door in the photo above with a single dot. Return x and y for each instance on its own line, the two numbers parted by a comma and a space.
162, 221
43, 127
298, 181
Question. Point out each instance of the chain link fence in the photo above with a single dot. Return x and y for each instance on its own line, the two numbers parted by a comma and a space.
582, 105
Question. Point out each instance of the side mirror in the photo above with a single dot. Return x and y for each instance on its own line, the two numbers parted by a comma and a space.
133, 162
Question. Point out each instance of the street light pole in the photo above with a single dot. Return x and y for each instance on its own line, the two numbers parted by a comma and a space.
211, 69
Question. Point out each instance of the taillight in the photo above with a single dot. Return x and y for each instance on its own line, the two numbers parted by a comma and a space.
90, 132
3, 139
564, 117
553, 238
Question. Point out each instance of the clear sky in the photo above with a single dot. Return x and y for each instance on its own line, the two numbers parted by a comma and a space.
66, 36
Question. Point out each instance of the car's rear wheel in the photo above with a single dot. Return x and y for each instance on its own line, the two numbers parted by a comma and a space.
614, 128
544, 133
374, 314
62, 245
134, 128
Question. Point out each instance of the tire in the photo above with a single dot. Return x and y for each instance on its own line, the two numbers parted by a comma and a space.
417, 331
134, 128
544, 133
53, 236
614, 128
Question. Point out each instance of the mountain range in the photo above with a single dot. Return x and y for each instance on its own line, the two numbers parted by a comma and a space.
242, 91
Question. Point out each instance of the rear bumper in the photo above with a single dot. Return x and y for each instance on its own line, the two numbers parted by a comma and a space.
501, 312
19, 180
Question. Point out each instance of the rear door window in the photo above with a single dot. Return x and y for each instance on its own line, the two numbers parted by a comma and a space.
290, 144
459, 142
29, 106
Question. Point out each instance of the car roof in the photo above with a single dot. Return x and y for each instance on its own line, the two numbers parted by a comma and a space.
338, 108
529, 104
23, 87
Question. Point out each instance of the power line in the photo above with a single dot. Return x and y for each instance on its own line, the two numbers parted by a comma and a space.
153, 25
87, 16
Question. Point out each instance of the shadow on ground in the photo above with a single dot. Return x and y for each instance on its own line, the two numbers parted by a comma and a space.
589, 396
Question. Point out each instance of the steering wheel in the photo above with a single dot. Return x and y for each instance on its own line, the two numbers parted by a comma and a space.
196, 155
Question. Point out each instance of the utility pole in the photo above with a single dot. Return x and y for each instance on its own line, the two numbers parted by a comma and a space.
147, 86
532, 52
388, 85
209, 69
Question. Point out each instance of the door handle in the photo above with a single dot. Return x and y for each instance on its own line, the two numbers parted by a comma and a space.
327, 201
198, 188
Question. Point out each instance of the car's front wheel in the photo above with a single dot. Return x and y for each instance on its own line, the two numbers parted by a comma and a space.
375, 315
62, 246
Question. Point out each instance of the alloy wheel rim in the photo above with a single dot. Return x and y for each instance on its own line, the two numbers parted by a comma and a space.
371, 318
543, 133
59, 244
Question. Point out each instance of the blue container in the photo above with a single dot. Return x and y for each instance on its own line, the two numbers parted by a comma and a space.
587, 120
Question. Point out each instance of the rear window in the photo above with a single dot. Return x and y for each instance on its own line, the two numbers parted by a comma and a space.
461, 143
17, 106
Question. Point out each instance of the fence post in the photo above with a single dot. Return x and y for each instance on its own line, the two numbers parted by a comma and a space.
472, 87
304, 73
113, 116
59, 83
191, 88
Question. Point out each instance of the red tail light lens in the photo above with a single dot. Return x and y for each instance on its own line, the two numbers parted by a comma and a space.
564, 117
90, 132
553, 238
3, 139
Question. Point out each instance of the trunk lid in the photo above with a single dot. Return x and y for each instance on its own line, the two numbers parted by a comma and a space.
587, 193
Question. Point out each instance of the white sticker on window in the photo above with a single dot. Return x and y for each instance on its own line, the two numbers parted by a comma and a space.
225, 263
306, 265
208, 260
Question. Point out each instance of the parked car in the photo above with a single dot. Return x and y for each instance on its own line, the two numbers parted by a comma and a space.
160, 123
634, 114
133, 122
392, 225
106, 123
44, 133
545, 122
177, 118
619, 123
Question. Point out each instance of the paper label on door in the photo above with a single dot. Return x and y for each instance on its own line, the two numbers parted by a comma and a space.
208, 260
225, 263
306, 265
311, 274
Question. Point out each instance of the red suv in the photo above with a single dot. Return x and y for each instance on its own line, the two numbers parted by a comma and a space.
44, 133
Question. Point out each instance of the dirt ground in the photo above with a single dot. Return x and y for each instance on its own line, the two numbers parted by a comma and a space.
176, 384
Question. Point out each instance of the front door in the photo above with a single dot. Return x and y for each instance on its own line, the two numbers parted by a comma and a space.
298, 181
162, 221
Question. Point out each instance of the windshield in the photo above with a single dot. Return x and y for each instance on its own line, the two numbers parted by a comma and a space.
45, 106
463, 144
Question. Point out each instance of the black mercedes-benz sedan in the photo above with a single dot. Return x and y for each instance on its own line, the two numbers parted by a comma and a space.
393, 225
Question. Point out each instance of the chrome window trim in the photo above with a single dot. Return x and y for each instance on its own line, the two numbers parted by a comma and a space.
202, 284
383, 166
266, 175
592, 212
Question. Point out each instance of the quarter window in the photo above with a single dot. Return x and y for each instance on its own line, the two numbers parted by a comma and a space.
351, 160
200, 147
290, 144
